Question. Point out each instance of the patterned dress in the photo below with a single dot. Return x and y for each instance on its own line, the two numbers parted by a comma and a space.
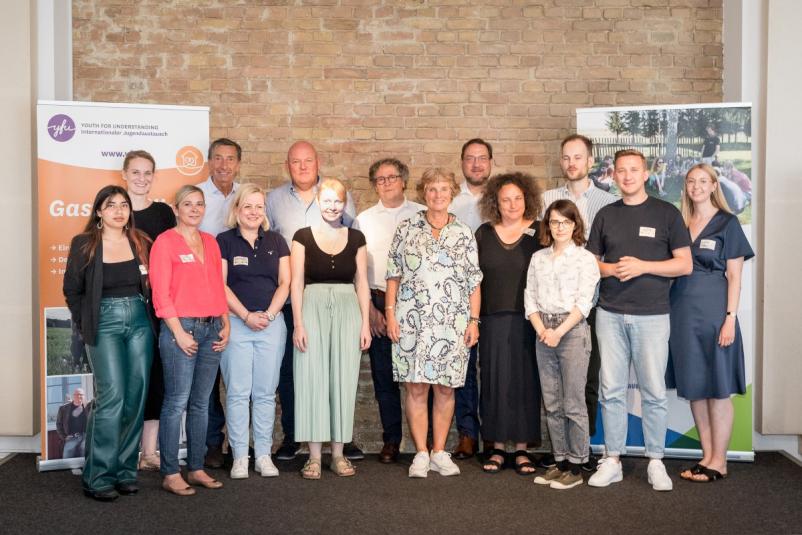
437, 277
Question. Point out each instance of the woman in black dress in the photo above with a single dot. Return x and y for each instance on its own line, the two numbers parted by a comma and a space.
706, 356
510, 388
153, 218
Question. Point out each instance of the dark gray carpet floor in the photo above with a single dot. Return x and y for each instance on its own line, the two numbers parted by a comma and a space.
764, 497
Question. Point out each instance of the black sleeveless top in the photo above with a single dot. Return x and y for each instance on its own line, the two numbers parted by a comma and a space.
121, 279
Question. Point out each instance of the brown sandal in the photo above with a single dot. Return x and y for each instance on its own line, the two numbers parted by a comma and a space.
342, 467
178, 491
311, 469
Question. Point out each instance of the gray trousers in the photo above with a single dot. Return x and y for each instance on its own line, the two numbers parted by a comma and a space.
563, 374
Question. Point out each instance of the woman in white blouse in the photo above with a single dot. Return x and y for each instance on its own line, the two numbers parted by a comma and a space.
559, 293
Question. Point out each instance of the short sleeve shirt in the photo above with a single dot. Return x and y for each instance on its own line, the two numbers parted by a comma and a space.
322, 267
253, 272
648, 231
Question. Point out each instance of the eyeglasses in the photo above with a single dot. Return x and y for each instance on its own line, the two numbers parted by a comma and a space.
389, 179
479, 159
553, 223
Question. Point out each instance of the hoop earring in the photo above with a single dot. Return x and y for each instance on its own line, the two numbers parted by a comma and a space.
126, 226
99, 224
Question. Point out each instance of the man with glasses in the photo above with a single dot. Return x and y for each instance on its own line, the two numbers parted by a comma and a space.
477, 163
290, 207
378, 223
576, 161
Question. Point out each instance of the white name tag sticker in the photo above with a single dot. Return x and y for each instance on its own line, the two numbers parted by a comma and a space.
143, 269
186, 258
708, 244
529, 232
648, 232
240, 260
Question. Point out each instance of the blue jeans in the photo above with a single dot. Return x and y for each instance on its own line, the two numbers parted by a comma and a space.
466, 401
642, 341
387, 392
251, 364
187, 384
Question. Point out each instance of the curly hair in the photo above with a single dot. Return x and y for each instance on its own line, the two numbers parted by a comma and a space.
488, 205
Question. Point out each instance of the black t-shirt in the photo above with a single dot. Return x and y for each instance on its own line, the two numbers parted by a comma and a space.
321, 267
648, 231
504, 268
252, 271
709, 146
154, 219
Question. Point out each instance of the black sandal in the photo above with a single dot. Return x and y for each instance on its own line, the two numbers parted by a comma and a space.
695, 470
494, 467
519, 468
710, 474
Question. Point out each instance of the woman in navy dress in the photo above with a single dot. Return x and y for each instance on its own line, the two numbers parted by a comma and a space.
706, 363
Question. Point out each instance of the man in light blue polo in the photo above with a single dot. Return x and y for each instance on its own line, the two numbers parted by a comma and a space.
225, 156
290, 207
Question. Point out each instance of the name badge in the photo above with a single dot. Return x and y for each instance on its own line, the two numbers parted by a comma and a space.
529, 232
708, 244
647, 232
186, 258
143, 269
240, 260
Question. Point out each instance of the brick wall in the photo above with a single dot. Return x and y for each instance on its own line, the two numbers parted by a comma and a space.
414, 79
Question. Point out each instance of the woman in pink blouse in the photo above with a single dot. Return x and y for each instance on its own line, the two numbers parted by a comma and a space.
189, 297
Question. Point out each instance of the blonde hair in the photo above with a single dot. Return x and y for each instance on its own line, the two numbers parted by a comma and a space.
717, 197
436, 174
334, 185
186, 190
243, 191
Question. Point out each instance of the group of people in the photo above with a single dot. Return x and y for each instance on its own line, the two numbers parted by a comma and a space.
486, 282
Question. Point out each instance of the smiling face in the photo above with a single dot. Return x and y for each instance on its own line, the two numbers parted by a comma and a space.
575, 160
631, 175
476, 164
224, 164
389, 184
78, 397
699, 186
251, 211
561, 227
138, 176
437, 195
331, 205
190, 209
511, 203
115, 212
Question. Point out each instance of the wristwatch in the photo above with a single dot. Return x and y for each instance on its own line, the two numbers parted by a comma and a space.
271, 316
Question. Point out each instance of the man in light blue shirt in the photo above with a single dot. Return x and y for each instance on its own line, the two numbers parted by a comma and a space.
225, 156
477, 163
291, 207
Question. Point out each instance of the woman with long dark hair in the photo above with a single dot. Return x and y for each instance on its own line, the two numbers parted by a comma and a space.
107, 292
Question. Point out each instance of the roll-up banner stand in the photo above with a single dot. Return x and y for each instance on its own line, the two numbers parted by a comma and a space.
673, 137
81, 147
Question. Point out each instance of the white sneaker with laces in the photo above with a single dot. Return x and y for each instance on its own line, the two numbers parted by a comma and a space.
441, 462
608, 472
239, 470
420, 465
264, 465
658, 477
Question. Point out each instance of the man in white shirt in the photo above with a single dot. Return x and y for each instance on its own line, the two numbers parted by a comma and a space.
378, 223
477, 163
576, 161
225, 156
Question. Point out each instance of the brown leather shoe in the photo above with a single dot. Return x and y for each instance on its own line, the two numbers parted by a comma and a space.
466, 448
389, 453
214, 457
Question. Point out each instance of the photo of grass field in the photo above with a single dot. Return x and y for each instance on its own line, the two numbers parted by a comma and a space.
64, 348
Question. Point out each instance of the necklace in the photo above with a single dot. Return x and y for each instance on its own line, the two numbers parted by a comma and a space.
433, 225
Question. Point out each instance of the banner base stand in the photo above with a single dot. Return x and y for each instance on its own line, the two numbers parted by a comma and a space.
46, 465
680, 453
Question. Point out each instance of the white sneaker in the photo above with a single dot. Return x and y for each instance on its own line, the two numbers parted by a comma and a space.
608, 472
264, 465
441, 462
420, 465
658, 478
239, 470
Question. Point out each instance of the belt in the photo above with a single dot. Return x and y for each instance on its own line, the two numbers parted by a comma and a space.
376, 292
205, 319
553, 318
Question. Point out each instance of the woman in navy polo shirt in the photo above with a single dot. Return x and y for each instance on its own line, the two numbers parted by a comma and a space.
256, 268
